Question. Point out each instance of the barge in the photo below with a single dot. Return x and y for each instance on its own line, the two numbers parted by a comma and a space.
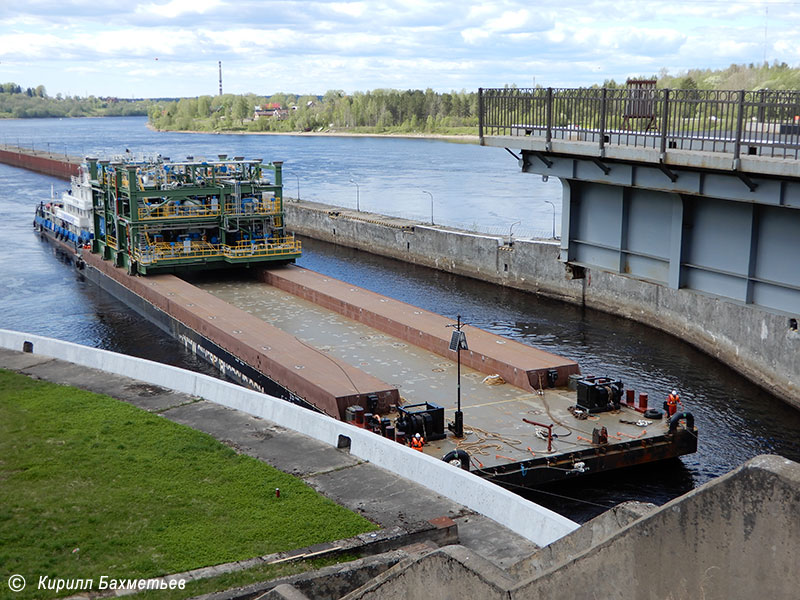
527, 417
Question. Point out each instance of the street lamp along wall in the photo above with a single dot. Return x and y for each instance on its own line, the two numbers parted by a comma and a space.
554, 217
431, 195
358, 194
298, 185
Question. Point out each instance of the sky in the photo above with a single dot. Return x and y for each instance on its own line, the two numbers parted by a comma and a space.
171, 48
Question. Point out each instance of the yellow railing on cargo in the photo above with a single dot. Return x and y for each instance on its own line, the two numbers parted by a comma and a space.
166, 251
172, 251
174, 211
111, 241
257, 207
274, 247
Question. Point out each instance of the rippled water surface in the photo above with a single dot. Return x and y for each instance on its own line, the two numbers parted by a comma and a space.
43, 294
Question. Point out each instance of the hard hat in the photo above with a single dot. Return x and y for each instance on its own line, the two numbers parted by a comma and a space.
417, 435
674, 392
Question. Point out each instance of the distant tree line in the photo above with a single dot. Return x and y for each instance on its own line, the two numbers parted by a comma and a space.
16, 102
751, 77
378, 111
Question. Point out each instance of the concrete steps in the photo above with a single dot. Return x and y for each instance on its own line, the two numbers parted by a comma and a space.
735, 537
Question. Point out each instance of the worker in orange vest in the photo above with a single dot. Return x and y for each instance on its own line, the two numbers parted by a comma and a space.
673, 400
417, 442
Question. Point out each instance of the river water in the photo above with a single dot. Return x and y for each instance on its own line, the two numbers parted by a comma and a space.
41, 294
468, 185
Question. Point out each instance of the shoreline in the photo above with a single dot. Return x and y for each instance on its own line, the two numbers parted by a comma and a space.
458, 138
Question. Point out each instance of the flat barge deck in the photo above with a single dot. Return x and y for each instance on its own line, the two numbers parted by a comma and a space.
506, 437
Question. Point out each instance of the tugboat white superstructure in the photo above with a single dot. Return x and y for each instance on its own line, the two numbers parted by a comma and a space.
69, 218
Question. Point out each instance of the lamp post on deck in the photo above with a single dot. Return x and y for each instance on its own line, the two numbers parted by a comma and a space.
358, 194
458, 341
554, 217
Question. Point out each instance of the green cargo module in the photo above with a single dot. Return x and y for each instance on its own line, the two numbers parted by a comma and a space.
155, 215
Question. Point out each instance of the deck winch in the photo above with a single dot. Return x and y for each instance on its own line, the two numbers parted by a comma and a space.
599, 394
425, 418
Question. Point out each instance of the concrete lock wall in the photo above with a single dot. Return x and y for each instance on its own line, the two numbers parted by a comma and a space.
733, 537
529, 520
759, 344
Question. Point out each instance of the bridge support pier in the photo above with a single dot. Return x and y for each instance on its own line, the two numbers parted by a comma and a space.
705, 231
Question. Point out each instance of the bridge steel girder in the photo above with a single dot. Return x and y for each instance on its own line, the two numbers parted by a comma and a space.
704, 231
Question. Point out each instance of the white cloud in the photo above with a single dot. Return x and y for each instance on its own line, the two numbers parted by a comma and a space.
177, 8
473, 35
351, 9
510, 20
29, 46
513, 22
316, 45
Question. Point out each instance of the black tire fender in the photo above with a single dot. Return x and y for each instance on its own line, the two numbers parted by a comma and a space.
457, 457
653, 413
677, 417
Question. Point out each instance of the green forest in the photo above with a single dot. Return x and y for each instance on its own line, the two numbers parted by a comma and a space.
25, 103
412, 111
777, 76
376, 111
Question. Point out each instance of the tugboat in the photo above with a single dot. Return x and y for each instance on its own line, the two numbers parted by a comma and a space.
68, 219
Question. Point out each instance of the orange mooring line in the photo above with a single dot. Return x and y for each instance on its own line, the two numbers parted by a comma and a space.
633, 437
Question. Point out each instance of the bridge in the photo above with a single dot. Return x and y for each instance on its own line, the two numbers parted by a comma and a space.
690, 189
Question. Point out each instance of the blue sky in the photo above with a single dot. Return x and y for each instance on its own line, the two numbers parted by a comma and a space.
171, 47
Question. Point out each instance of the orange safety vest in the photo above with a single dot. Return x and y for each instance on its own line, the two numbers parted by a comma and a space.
417, 443
672, 403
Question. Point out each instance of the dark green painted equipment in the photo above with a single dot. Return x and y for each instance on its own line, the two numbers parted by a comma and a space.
160, 216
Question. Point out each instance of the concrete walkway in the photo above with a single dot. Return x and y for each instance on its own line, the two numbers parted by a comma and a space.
379, 495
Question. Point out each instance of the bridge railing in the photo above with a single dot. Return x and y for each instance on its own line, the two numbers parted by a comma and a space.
763, 123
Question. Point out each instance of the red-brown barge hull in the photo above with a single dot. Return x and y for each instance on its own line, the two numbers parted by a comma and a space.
520, 365
328, 384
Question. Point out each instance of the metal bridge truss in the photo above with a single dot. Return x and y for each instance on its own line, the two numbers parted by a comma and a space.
710, 210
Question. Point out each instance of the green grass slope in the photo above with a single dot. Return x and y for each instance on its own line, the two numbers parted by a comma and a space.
91, 486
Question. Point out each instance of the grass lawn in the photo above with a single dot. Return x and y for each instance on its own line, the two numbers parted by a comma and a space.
91, 486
